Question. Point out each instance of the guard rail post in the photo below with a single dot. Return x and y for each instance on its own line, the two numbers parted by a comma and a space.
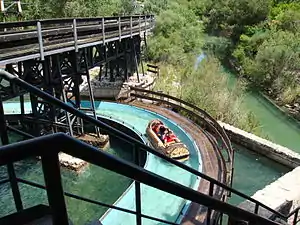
10, 166
40, 39
75, 35
103, 31
137, 186
295, 220
130, 26
210, 193
139, 25
55, 193
120, 30
145, 21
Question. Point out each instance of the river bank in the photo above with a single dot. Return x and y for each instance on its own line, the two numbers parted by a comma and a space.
292, 110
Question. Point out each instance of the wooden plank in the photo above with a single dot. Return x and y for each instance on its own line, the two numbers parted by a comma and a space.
152, 71
152, 66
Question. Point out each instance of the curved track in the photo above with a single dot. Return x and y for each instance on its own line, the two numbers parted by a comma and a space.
211, 160
192, 213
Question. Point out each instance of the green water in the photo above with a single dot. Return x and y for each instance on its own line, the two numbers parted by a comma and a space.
253, 172
94, 183
279, 128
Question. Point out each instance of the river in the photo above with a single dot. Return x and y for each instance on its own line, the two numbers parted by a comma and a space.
279, 127
252, 171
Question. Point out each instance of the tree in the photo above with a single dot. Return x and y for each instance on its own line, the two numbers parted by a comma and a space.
232, 16
277, 59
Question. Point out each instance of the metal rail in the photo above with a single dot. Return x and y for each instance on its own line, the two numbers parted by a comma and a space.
176, 102
37, 39
195, 111
45, 147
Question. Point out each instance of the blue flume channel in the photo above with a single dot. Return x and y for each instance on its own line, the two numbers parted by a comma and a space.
154, 202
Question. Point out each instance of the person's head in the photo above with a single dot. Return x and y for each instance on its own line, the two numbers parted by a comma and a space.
162, 128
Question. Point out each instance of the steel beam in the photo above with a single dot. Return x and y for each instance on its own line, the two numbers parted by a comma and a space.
10, 166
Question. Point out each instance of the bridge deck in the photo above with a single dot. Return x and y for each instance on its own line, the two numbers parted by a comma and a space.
212, 165
22, 42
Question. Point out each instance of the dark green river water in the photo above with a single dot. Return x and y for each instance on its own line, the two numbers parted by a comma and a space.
279, 127
252, 171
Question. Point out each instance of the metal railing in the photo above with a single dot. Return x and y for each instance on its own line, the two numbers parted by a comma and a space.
12, 153
37, 39
46, 148
195, 112
218, 130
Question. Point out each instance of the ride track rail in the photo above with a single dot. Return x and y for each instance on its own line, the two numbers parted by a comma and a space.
219, 132
36, 39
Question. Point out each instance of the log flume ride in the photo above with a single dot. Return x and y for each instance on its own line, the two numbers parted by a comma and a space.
165, 141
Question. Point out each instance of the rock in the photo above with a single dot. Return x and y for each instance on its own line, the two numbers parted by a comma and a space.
288, 106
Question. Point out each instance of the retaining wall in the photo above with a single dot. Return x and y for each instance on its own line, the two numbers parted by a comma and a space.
262, 146
282, 195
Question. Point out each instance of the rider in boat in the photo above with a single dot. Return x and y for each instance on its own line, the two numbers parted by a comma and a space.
156, 126
170, 138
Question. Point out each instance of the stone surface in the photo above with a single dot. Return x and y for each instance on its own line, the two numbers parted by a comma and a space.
282, 195
106, 89
77, 164
71, 162
262, 146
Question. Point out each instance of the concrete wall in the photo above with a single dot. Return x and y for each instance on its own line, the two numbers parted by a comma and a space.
262, 146
103, 92
282, 195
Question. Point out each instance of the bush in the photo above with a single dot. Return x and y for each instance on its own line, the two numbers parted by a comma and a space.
207, 88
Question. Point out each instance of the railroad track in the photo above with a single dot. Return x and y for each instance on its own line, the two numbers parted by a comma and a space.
34, 39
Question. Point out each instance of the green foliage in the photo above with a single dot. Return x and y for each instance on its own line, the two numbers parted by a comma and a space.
231, 16
177, 31
265, 41
276, 61
155, 6
219, 46
208, 89
290, 94
287, 16
40, 9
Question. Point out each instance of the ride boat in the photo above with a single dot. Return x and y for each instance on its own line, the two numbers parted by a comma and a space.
165, 141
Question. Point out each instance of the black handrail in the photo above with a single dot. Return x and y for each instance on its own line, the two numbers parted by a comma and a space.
206, 116
45, 146
230, 189
200, 114
30, 183
112, 131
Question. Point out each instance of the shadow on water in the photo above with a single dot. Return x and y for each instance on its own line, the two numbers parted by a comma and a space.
253, 172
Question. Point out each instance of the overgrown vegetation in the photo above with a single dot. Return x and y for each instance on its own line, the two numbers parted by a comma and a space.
41, 9
177, 39
262, 40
